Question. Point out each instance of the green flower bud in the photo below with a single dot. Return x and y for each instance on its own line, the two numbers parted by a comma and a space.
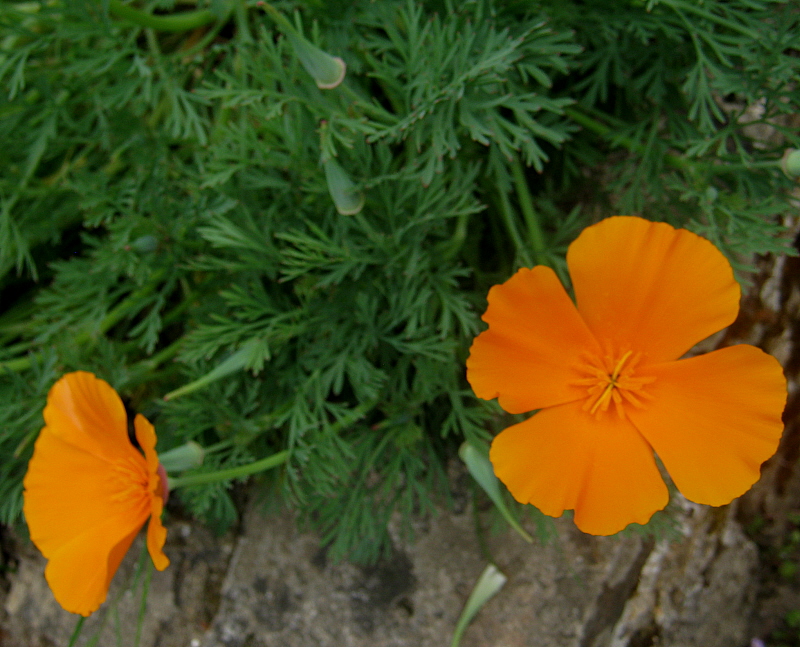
144, 244
178, 459
328, 71
791, 163
348, 201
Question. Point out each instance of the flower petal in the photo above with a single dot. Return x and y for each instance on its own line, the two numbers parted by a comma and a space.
648, 287
80, 572
86, 411
564, 458
535, 337
157, 536
77, 521
88, 490
68, 490
156, 533
714, 419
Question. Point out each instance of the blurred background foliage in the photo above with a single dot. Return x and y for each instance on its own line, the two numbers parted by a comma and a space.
167, 210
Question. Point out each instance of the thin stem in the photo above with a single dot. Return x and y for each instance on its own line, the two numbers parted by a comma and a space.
217, 447
242, 26
234, 472
377, 111
15, 365
176, 22
508, 218
77, 632
606, 132
675, 161
132, 300
451, 247
148, 566
531, 220
691, 7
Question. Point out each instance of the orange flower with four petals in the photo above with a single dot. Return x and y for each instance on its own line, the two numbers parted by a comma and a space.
605, 374
89, 491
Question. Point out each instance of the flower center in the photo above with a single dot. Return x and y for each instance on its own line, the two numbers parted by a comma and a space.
128, 480
611, 378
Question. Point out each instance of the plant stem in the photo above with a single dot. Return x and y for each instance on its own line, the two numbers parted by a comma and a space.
129, 303
176, 22
14, 365
604, 131
75, 634
675, 161
693, 8
234, 472
535, 233
508, 218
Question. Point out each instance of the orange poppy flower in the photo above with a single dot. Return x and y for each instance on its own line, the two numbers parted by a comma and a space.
604, 373
89, 491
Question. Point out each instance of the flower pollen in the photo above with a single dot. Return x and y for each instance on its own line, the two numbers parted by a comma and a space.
610, 378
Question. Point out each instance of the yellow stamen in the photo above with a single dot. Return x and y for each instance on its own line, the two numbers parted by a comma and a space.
612, 382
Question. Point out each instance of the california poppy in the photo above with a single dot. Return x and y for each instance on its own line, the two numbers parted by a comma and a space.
605, 374
88, 490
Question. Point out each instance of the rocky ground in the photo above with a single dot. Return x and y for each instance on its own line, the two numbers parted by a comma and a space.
272, 585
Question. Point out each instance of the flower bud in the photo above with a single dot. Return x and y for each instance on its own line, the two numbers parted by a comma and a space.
348, 201
791, 163
328, 71
187, 456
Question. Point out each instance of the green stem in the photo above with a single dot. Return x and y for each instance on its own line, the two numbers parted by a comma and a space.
14, 365
217, 447
129, 303
75, 634
176, 22
508, 218
691, 7
675, 161
232, 473
449, 248
526, 204
242, 26
377, 111
606, 132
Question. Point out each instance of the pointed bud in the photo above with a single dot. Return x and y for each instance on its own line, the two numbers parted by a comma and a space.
791, 163
348, 201
178, 459
328, 71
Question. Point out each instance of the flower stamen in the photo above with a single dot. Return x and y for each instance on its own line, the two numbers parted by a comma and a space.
612, 380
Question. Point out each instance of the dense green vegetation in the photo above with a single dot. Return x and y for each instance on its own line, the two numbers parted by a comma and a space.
168, 210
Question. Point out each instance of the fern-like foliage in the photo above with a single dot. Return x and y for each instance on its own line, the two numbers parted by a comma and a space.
165, 213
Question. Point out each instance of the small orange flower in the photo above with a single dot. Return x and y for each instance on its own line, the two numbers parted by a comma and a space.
89, 491
604, 373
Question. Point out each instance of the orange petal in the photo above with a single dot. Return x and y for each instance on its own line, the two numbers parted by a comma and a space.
68, 490
156, 533
88, 491
647, 287
534, 339
156, 536
80, 572
86, 411
82, 517
564, 458
714, 419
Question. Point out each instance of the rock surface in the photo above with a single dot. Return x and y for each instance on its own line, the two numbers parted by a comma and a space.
274, 586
